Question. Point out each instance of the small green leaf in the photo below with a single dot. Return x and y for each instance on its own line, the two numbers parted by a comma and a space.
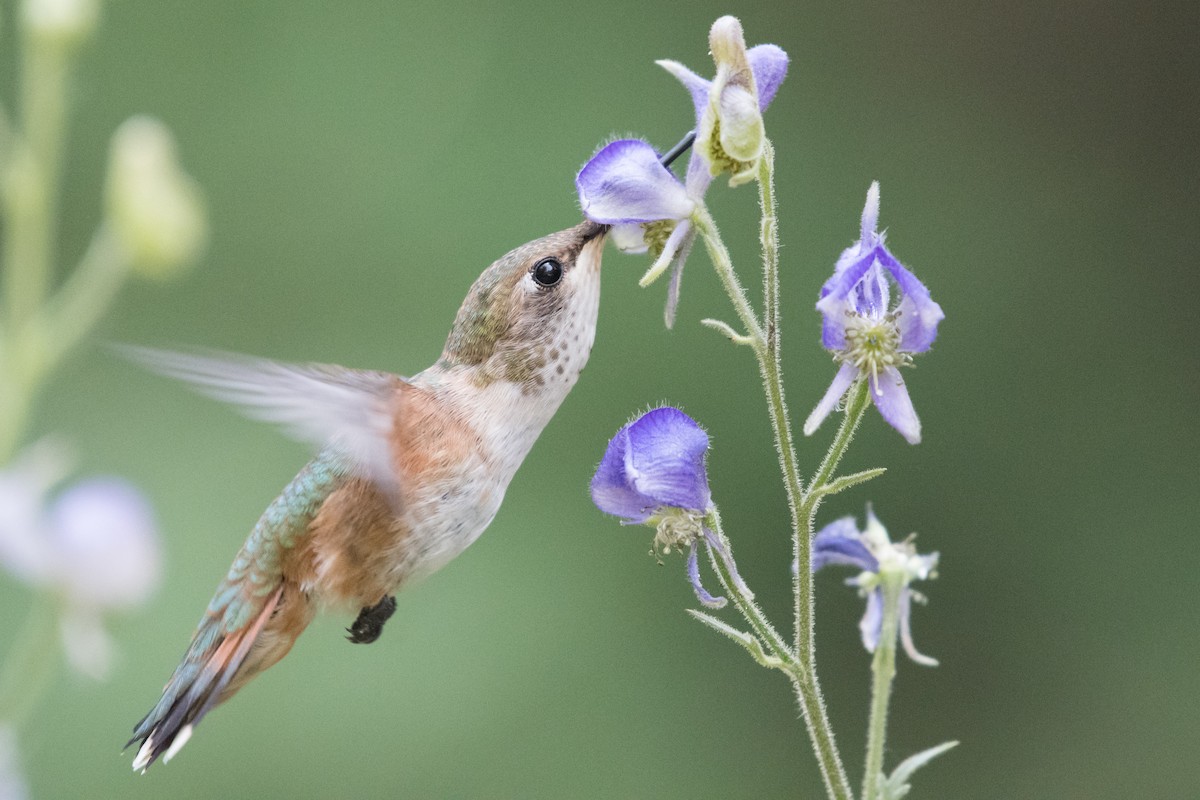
846, 481
897, 786
751, 643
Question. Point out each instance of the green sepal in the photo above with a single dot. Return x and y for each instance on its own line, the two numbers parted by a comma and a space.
844, 482
751, 643
727, 330
896, 785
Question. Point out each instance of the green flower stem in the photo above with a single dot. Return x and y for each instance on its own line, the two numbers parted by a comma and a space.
857, 402
88, 293
42, 343
883, 668
30, 664
32, 183
765, 342
745, 602
803, 677
707, 228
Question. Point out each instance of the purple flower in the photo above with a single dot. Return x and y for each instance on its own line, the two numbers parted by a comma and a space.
870, 550
654, 463
871, 335
653, 473
625, 185
95, 546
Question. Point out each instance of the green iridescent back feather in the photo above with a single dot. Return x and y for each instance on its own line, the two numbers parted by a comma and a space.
253, 576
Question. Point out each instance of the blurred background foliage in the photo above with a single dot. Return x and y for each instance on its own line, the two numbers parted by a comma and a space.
363, 162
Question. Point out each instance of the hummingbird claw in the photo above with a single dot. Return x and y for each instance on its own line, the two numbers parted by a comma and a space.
369, 624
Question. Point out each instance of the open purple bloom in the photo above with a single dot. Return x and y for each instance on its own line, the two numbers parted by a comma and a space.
625, 186
653, 473
871, 551
871, 334
654, 463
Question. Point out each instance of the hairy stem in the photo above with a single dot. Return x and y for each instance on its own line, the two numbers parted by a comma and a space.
745, 602
764, 336
883, 669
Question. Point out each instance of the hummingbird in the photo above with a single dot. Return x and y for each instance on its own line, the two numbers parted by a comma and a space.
408, 471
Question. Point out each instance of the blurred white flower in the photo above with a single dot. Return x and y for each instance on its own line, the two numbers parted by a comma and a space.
95, 547
12, 784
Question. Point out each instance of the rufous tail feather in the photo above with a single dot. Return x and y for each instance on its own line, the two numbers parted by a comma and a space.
214, 668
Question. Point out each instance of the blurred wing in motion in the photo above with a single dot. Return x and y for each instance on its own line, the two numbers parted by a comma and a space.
348, 410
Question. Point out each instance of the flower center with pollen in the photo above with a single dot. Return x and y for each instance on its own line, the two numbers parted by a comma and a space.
656, 233
873, 343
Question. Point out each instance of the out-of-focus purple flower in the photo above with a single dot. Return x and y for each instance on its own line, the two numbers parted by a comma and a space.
625, 185
12, 783
870, 550
867, 332
107, 544
95, 546
653, 474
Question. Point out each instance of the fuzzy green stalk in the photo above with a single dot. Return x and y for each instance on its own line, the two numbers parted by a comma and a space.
33, 175
763, 337
745, 602
883, 669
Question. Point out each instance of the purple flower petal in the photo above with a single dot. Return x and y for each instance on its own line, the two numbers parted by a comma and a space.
105, 543
683, 249
839, 295
895, 406
717, 546
841, 382
871, 624
906, 631
840, 543
612, 491
656, 461
665, 459
697, 87
625, 183
693, 572
919, 314
769, 64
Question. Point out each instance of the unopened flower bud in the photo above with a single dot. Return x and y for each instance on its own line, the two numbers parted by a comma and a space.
731, 133
64, 23
153, 205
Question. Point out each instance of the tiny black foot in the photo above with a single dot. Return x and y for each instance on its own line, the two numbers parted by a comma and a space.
369, 624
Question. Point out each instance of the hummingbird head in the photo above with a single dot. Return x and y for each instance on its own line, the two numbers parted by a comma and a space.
530, 318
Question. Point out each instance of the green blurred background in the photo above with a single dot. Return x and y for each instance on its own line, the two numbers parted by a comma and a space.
363, 162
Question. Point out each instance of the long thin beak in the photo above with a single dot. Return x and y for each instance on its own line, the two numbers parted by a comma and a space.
590, 230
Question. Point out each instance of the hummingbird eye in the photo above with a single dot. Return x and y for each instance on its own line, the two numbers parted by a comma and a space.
547, 272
